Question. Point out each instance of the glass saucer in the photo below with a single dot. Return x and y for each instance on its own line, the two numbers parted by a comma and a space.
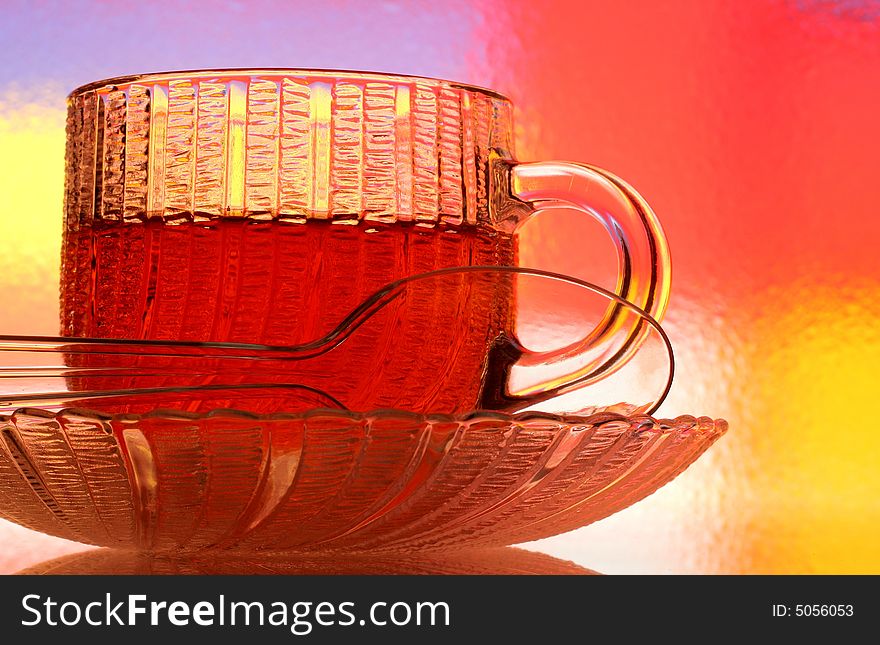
331, 479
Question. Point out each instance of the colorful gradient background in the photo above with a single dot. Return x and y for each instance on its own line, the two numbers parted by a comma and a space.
751, 127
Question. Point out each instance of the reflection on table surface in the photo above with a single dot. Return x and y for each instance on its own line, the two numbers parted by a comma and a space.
487, 561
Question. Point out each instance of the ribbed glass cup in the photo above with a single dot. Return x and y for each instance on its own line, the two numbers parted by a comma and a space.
201, 206
282, 144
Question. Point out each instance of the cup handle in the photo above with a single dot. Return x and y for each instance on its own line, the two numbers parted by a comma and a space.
524, 190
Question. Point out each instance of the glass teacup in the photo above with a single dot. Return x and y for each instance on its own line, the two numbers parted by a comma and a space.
262, 206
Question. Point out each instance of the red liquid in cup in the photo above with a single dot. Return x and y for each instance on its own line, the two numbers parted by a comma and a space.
287, 284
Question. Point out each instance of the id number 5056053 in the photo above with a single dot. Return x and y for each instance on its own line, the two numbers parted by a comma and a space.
812, 610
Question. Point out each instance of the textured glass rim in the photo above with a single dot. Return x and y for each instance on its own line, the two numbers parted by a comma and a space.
681, 424
337, 74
